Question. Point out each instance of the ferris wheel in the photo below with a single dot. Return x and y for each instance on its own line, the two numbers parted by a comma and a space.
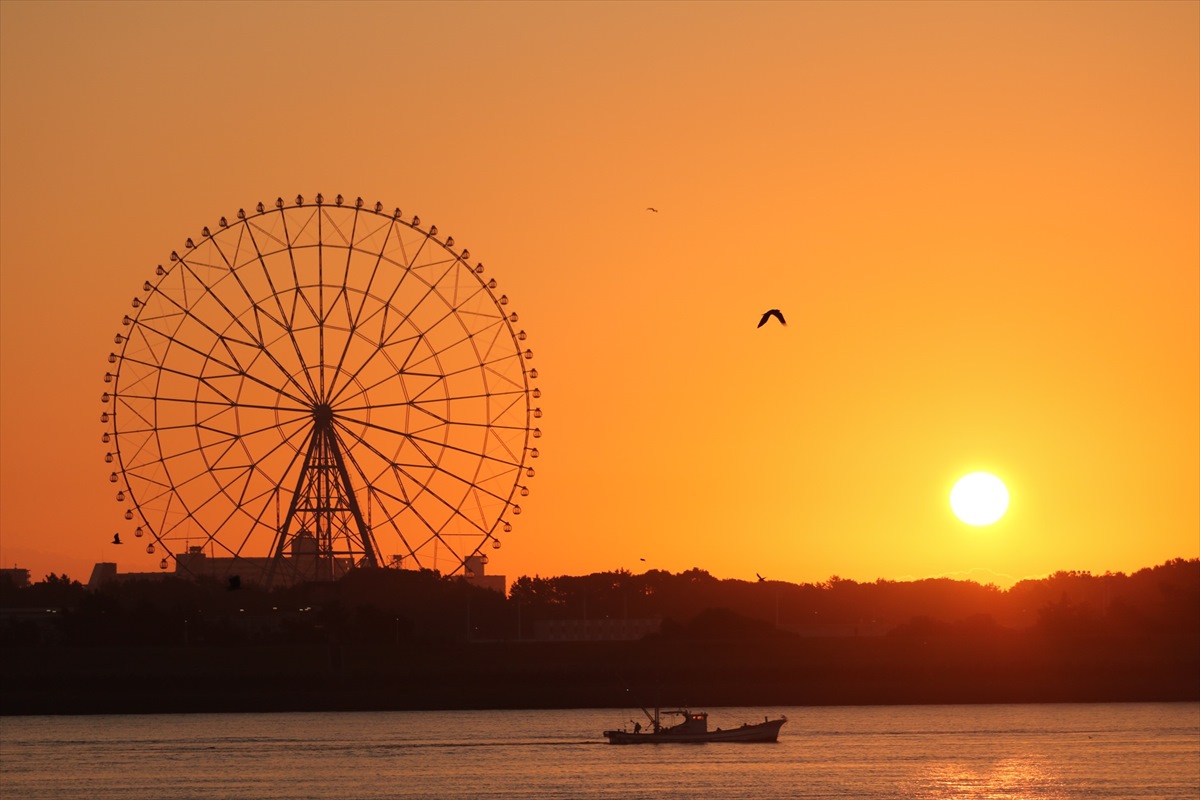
312, 387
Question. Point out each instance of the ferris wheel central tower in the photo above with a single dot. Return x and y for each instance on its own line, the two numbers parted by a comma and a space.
324, 519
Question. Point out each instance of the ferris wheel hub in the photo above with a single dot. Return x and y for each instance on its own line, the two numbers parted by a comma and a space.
323, 414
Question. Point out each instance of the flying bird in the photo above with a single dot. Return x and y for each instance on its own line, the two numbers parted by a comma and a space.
761, 579
651, 208
116, 538
774, 312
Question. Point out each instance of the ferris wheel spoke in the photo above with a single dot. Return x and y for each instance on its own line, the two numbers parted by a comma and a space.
341, 375
150, 433
362, 390
155, 490
515, 388
433, 528
257, 518
300, 301
436, 464
495, 417
450, 313
487, 367
462, 450
288, 239
233, 368
411, 309
297, 295
160, 366
257, 343
381, 496
273, 487
216, 408
437, 421
487, 353
510, 410
295, 440
388, 304
275, 293
371, 447
406, 434
230, 475
185, 454
217, 298
123, 405
356, 316
494, 433
343, 300
347, 410
239, 439
234, 510
482, 395
426, 490
407, 345
193, 505
302, 432
472, 487
389, 373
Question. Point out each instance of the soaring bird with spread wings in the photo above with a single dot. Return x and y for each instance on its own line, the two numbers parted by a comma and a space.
774, 312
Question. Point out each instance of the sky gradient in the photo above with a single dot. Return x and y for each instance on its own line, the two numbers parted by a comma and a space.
982, 221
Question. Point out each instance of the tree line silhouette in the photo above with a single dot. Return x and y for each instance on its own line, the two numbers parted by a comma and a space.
390, 605
380, 639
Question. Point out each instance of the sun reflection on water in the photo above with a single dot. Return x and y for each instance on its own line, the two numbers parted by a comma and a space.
1019, 778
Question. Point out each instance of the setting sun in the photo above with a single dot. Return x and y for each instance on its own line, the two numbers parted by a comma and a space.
979, 498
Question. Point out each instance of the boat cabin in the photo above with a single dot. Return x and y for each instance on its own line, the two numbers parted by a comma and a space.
693, 722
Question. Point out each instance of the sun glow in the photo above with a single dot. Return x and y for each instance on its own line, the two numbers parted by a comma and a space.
979, 498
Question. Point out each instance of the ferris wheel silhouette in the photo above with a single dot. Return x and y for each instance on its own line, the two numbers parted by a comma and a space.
313, 387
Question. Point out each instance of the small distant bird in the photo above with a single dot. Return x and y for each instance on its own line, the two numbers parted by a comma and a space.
116, 538
774, 312
761, 579
651, 208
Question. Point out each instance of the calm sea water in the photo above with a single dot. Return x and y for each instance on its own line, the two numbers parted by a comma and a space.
1030, 752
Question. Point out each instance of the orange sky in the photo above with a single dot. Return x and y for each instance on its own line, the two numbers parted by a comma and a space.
981, 220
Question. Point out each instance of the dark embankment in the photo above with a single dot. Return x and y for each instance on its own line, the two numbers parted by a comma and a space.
386, 639
779, 671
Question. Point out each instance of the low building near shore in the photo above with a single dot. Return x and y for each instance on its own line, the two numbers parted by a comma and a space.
301, 566
18, 577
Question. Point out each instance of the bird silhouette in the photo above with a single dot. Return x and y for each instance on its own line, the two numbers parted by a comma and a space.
774, 312
116, 538
651, 208
761, 579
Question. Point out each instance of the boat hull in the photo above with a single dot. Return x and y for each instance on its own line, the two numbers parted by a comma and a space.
761, 732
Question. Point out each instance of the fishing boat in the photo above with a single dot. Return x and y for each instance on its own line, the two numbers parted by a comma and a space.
694, 728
